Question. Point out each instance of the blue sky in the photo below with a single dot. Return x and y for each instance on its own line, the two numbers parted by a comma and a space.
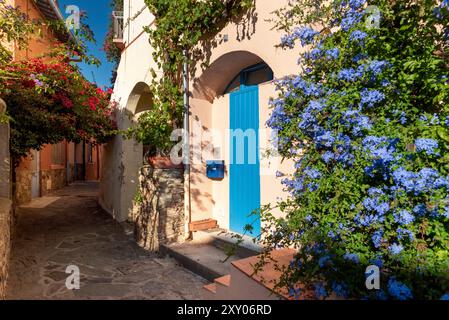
98, 12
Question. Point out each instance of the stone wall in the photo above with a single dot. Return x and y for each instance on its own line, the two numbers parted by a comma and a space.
5, 242
52, 180
5, 203
158, 214
23, 186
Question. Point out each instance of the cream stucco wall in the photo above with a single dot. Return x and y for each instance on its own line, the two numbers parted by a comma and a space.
123, 158
250, 41
237, 46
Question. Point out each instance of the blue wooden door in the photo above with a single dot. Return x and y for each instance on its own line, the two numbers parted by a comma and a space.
244, 170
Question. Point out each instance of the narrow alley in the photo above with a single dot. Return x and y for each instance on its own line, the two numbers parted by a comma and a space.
69, 228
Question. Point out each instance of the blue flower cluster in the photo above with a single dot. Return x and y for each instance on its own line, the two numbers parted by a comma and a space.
429, 146
358, 36
399, 290
306, 35
335, 113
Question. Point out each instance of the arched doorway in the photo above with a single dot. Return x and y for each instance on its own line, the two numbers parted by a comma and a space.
231, 96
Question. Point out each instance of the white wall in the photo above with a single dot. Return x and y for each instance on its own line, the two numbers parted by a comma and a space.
123, 158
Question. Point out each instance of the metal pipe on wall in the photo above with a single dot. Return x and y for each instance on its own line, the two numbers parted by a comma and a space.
186, 146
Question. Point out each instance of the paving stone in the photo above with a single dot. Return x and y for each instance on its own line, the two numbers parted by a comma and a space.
71, 230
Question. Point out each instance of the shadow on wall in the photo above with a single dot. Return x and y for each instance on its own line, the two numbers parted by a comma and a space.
246, 28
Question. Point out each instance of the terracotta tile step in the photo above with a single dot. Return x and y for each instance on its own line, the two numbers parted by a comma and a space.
211, 287
224, 281
202, 225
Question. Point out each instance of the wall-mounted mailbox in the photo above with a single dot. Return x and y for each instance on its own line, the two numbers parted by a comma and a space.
215, 169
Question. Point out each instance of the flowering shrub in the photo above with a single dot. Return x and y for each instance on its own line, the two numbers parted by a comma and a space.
367, 126
49, 100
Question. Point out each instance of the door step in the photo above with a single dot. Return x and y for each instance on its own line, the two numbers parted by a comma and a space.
208, 253
205, 260
243, 247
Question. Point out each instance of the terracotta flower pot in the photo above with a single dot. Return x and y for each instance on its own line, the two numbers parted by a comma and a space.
163, 163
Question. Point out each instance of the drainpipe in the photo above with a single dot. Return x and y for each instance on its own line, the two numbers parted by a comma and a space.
186, 147
84, 160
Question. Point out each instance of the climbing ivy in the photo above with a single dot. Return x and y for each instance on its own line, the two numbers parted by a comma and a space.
179, 25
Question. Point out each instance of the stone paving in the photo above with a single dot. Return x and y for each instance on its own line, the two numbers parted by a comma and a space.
69, 228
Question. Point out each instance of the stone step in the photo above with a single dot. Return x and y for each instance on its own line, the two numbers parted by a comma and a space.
203, 259
227, 240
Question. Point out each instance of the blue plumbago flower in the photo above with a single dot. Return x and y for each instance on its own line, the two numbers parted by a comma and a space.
305, 34
447, 121
377, 262
427, 179
403, 118
358, 122
445, 297
340, 289
377, 238
377, 67
426, 145
404, 217
308, 89
314, 54
309, 218
278, 117
435, 119
312, 173
446, 212
350, 19
396, 249
332, 53
370, 98
359, 56
353, 257
358, 37
350, 74
324, 260
356, 4
288, 41
402, 233
375, 192
279, 174
325, 139
375, 204
294, 186
398, 290
328, 156
316, 105
294, 293
420, 209
320, 291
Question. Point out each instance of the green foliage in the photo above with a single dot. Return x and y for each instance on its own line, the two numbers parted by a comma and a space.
348, 192
180, 25
113, 52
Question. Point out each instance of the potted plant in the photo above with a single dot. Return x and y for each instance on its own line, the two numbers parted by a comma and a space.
153, 131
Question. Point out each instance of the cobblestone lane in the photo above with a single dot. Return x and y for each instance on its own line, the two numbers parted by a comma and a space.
69, 228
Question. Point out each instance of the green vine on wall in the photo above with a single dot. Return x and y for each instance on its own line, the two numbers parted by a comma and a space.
180, 25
